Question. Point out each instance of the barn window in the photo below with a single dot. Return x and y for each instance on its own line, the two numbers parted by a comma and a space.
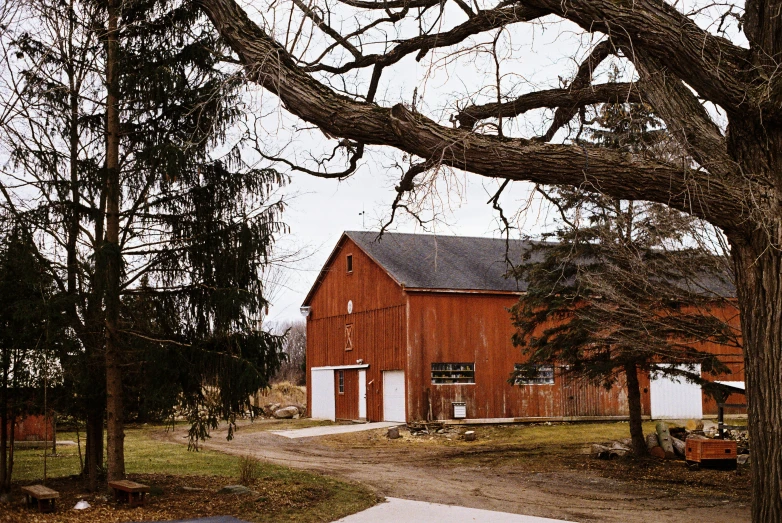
349, 262
341, 378
349, 336
453, 373
533, 374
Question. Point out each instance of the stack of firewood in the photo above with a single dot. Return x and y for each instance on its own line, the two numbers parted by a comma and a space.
661, 444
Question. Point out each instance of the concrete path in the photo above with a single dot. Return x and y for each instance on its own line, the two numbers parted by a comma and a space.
312, 432
397, 510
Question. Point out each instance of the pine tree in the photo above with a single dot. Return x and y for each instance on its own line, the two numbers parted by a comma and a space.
31, 332
117, 135
624, 288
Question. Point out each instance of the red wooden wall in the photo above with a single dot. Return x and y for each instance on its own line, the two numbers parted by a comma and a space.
456, 327
33, 428
378, 322
397, 330
346, 402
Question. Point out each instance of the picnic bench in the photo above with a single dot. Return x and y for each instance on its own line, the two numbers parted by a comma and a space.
43, 495
130, 491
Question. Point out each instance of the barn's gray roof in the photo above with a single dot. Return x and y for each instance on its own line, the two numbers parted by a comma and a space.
427, 261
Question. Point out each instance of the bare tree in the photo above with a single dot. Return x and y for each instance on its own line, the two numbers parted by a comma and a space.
695, 71
295, 348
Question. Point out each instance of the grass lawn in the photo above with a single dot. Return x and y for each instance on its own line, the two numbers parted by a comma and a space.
280, 494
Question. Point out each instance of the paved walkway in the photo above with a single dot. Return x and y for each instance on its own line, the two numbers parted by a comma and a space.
312, 432
397, 510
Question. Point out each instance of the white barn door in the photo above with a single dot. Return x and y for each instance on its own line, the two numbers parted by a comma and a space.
394, 395
675, 397
322, 384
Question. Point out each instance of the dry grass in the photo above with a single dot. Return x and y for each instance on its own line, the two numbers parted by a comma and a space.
555, 435
284, 393
282, 494
249, 470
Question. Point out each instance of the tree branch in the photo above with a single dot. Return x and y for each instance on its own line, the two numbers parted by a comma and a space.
684, 116
483, 21
617, 174
571, 99
713, 66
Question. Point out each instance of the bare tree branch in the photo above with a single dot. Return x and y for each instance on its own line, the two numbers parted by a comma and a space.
267, 63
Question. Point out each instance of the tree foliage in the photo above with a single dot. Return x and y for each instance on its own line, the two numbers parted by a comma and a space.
196, 224
32, 334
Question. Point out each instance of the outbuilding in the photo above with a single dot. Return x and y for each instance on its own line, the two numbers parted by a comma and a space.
416, 327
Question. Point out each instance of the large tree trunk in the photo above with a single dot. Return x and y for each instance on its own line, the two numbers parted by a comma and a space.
115, 434
759, 285
93, 451
3, 429
634, 405
757, 259
10, 463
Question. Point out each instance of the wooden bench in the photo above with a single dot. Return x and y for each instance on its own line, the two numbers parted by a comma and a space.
43, 495
130, 491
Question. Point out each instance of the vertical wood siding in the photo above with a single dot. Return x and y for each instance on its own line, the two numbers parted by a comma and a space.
378, 322
33, 428
346, 404
378, 340
369, 287
396, 330
477, 328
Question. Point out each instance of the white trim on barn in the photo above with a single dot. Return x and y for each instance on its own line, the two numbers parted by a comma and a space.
342, 367
362, 394
673, 397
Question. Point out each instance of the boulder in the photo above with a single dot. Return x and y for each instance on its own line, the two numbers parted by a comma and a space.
269, 408
393, 433
286, 413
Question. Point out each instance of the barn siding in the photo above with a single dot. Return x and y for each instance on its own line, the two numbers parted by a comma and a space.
398, 330
346, 404
369, 287
33, 428
456, 327
378, 340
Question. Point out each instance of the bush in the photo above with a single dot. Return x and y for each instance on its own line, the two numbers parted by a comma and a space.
249, 470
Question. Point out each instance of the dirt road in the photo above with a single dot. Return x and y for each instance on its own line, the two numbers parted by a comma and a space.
494, 479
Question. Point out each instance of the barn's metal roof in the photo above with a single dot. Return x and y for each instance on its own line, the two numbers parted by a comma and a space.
463, 263
426, 261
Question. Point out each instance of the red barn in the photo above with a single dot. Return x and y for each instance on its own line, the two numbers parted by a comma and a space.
416, 327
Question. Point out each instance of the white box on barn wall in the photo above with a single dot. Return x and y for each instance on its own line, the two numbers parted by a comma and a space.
459, 410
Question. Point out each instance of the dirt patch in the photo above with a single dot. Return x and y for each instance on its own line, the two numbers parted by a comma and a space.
535, 470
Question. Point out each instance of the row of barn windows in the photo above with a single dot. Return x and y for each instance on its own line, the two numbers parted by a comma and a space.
464, 373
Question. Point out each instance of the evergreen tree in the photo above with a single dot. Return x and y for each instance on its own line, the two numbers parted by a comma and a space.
129, 191
624, 288
30, 332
